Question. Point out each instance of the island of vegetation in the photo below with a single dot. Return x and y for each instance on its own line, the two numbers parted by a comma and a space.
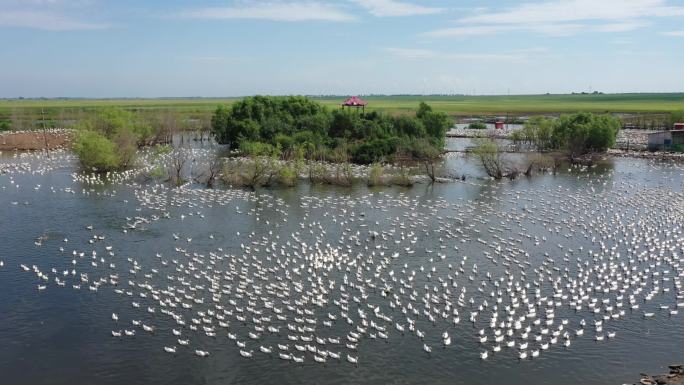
297, 127
279, 140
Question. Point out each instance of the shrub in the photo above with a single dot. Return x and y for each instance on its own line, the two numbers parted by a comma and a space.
250, 148
123, 130
401, 179
96, 152
288, 175
375, 175
582, 133
374, 150
477, 126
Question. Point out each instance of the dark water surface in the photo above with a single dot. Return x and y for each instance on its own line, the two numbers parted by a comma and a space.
61, 335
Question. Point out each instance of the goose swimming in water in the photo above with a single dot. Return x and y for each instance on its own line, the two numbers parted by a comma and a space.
370, 280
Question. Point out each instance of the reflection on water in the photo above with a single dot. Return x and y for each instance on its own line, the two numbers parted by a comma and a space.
61, 335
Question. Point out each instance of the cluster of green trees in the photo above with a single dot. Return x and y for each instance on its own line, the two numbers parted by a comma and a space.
577, 134
109, 140
297, 127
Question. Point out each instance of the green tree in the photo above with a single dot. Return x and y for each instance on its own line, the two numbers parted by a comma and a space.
299, 127
423, 109
123, 130
221, 128
406, 126
96, 152
343, 124
428, 154
436, 125
537, 132
126, 142
582, 133
489, 154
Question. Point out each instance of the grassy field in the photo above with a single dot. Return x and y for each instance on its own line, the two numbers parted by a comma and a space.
29, 110
456, 105
531, 104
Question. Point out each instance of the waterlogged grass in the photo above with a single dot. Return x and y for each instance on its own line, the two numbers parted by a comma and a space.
453, 105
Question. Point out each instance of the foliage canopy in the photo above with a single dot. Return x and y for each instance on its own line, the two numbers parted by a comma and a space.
577, 134
298, 127
109, 140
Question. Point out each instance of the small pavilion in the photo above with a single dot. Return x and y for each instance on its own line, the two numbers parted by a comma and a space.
355, 102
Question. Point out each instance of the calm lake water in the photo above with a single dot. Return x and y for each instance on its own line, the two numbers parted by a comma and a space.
244, 241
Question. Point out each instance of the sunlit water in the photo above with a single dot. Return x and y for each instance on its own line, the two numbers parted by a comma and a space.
61, 335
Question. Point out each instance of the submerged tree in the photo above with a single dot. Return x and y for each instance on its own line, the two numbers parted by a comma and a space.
177, 162
537, 132
428, 154
490, 156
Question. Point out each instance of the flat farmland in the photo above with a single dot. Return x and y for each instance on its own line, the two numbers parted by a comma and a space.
453, 105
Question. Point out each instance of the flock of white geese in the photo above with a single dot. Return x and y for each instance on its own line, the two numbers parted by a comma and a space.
514, 272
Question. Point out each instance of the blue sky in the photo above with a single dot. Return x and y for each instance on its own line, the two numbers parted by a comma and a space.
123, 48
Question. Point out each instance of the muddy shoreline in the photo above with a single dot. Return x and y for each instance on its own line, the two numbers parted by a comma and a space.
35, 140
675, 377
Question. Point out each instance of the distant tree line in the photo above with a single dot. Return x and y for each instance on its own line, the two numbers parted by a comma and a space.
297, 127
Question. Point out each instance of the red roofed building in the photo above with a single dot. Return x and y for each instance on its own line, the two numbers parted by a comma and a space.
355, 102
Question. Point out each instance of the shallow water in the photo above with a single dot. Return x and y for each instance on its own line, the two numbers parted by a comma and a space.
62, 336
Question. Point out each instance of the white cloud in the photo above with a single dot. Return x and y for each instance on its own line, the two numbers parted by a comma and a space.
561, 29
424, 54
477, 30
49, 15
275, 11
45, 20
389, 8
577, 10
564, 18
674, 33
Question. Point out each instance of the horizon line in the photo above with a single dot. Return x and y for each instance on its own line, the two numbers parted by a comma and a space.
598, 93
